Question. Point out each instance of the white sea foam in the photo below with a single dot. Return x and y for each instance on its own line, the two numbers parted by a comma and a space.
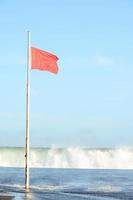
72, 157
104, 188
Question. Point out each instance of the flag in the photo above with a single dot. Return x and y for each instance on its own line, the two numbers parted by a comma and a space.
43, 60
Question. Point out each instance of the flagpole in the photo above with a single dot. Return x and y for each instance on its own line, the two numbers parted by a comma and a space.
27, 147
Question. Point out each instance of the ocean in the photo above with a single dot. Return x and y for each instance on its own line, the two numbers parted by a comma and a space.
68, 174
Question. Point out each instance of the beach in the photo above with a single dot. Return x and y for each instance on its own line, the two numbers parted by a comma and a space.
2, 197
68, 184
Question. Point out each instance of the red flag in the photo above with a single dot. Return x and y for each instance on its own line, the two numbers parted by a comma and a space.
43, 60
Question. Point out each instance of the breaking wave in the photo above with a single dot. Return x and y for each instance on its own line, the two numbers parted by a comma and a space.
72, 157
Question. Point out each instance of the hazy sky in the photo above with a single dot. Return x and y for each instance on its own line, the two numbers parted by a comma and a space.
90, 102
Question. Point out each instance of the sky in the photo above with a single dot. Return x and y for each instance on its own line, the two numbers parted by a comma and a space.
90, 102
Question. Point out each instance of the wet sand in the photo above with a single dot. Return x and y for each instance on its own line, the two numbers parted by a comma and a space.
3, 197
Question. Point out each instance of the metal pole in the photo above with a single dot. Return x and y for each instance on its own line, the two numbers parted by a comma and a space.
27, 147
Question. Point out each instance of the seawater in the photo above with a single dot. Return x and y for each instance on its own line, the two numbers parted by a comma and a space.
69, 173
71, 157
68, 184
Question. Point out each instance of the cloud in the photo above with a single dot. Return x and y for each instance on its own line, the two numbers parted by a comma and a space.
90, 61
11, 59
34, 92
103, 60
6, 115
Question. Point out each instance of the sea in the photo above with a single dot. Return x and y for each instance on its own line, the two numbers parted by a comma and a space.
71, 173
